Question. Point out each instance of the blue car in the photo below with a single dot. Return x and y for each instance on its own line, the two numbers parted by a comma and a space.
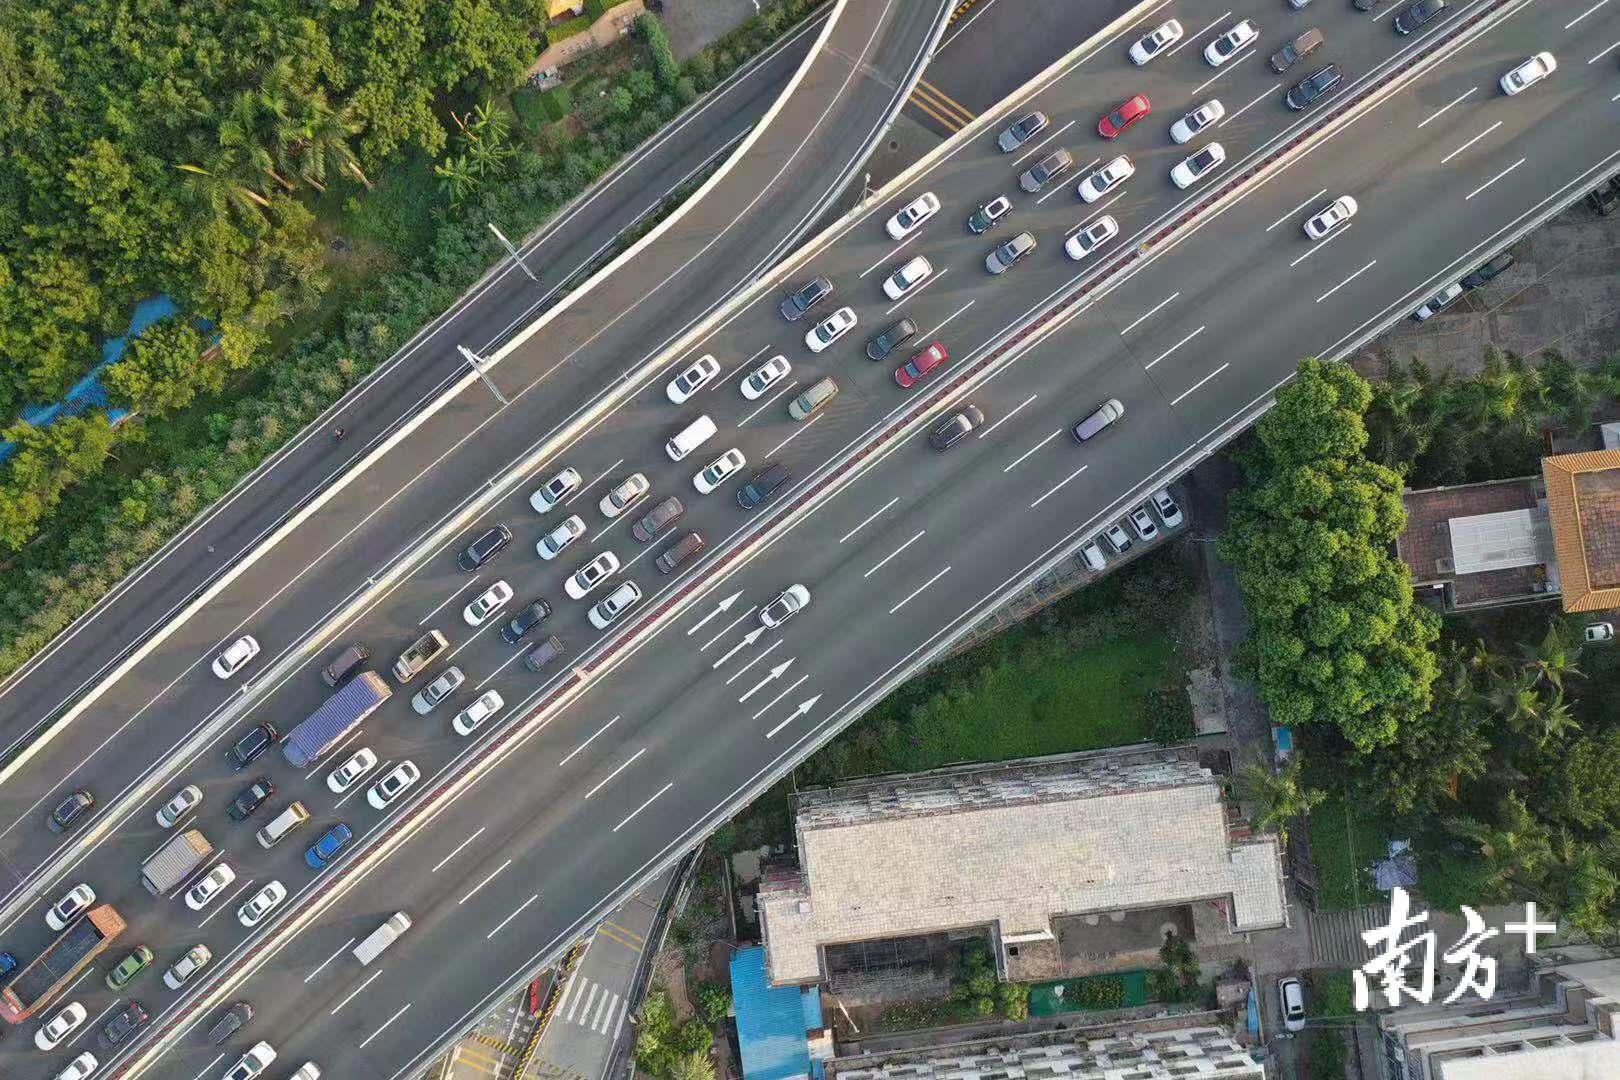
324, 850
8, 964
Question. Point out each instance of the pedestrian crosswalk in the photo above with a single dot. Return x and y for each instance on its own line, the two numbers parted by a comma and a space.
592, 1006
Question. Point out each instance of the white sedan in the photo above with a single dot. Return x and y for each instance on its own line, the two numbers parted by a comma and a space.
1330, 217
1229, 44
360, 762
607, 610
1107, 178
830, 329
236, 656
765, 376
701, 372
624, 494
555, 490
1091, 237
471, 718
788, 603
717, 471
262, 903
213, 883
913, 214
184, 802
1198, 165
252, 1063
912, 273
393, 785
79, 1068
64, 1023
488, 603
557, 540
1161, 38
592, 574
67, 909
1529, 73
1188, 127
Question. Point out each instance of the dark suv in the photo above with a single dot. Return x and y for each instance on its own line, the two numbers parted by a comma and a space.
234, 1020
71, 812
1419, 14
808, 296
890, 338
250, 799
525, 620
243, 752
125, 1022
1488, 271
1314, 87
489, 543
763, 486
657, 519
955, 427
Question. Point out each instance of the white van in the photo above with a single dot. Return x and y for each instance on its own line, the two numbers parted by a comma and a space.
282, 824
382, 937
693, 436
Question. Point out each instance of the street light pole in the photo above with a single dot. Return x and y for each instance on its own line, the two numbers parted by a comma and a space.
512, 251
477, 363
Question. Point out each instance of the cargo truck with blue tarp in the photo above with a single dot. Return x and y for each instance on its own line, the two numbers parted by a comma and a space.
341, 714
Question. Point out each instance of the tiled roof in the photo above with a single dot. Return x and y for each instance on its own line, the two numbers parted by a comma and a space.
1583, 502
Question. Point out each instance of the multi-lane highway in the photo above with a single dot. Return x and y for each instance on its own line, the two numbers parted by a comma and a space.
900, 549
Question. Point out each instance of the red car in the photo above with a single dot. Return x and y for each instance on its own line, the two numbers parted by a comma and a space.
1128, 113
921, 363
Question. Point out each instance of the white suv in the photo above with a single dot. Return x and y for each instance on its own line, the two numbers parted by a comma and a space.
390, 787
607, 610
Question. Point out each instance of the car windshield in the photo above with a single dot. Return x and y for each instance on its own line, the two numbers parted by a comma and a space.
1203, 159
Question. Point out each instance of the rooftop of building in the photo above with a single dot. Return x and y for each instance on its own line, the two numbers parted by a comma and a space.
1485, 544
1583, 503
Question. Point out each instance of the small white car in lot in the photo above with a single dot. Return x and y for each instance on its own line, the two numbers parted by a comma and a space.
1438, 300
1142, 524
788, 603
471, 718
212, 884
1187, 128
184, 802
698, 375
1156, 42
624, 494
1229, 44
67, 909
1598, 632
764, 377
1117, 538
360, 762
1330, 217
1169, 512
64, 1023
912, 215
592, 574
908, 276
720, 468
261, 903
433, 694
1198, 165
1291, 995
236, 656
1529, 73
830, 329
555, 490
1092, 237
393, 785
488, 603
1107, 178
607, 610
556, 541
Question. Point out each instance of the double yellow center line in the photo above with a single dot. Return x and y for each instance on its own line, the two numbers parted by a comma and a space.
941, 106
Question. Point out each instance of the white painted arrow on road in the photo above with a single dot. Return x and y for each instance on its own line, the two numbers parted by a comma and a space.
804, 707
748, 639
725, 605
776, 673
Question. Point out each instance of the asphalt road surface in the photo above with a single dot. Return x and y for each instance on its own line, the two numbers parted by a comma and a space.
901, 552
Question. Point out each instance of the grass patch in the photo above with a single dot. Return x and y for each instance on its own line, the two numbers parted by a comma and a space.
401, 213
1345, 839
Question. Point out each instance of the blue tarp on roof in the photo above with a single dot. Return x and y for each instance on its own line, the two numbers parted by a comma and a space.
772, 1021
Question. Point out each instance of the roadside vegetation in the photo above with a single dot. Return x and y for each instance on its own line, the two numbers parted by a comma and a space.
310, 196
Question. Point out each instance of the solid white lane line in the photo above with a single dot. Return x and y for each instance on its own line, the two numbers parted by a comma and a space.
772, 704
1347, 281
520, 909
597, 479
1019, 460
935, 276
740, 368
1229, 117
625, 765
935, 331
1584, 14
1200, 382
225, 903
643, 806
446, 600
1318, 245
891, 254
918, 590
1059, 486
1438, 113
884, 561
869, 520
208, 1069
1010, 414
1150, 312
1296, 210
354, 993
1493, 179
1190, 38
504, 665
768, 401
1173, 348
1470, 142
367, 1041
335, 955
804, 427
486, 881
761, 655
1221, 71
473, 837
1604, 53
726, 628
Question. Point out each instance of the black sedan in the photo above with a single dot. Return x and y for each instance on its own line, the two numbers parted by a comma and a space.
250, 799
955, 427
488, 544
124, 1023
524, 621
71, 812
1419, 14
806, 297
245, 750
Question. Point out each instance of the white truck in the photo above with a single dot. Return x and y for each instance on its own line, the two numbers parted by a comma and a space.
382, 937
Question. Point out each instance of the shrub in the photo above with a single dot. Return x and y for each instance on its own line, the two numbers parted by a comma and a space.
652, 32
1013, 1000
713, 1002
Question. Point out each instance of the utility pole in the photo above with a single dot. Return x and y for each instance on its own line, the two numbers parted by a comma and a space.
477, 363
512, 251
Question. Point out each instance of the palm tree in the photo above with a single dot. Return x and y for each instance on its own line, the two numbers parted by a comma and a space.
1279, 797
1557, 657
692, 1066
220, 181
1581, 883
1516, 849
